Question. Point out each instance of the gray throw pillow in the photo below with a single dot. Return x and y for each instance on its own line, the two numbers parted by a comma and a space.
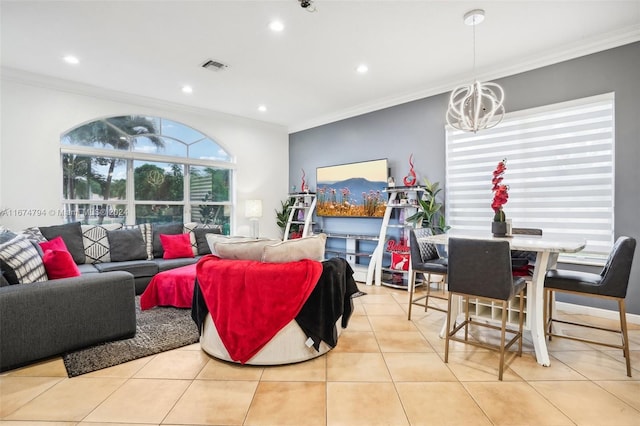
167, 229
201, 239
126, 244
71, 234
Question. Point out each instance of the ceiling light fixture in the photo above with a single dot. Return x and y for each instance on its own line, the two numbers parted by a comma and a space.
262, 108
362, 68
70, 59
187, 89
307, 5
475, 106
276, 26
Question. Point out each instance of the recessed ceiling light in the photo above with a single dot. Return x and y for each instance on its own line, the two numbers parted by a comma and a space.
262, 108
276, 26
187, 89
362, 68
70, 59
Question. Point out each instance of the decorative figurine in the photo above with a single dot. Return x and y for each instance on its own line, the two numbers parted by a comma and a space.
410, 179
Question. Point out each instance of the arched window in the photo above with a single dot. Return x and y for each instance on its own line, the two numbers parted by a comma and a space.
137, 169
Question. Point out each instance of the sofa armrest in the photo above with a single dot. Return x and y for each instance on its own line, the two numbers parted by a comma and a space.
44, 319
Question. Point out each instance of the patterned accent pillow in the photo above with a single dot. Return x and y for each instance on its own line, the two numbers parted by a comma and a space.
21, 262
145, 229
198, 241
34, 234
96, 243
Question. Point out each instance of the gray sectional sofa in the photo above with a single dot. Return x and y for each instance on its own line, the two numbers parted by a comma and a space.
42, 317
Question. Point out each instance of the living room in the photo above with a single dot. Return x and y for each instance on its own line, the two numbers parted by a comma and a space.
269, 157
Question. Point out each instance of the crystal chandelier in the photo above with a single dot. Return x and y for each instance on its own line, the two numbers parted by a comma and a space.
475, 106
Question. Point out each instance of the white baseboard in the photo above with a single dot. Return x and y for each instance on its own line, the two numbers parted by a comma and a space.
572, 308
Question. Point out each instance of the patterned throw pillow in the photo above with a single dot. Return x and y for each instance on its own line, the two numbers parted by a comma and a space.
96, 243
21, 262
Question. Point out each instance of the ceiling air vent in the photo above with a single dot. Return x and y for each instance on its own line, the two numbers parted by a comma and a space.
214, 65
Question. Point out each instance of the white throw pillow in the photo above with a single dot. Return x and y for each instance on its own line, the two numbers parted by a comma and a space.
311, 247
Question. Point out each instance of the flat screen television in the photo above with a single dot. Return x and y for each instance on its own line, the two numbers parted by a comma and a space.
353, 189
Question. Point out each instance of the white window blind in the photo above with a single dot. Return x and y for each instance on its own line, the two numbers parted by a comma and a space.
559, 172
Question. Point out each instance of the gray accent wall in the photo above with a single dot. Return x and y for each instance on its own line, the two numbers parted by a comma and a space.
418, 128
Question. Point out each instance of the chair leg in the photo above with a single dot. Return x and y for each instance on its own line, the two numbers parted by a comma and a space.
502, 339
411, 291
625, 337
448, 329
521, 322
548, 316
466, 318
428, 284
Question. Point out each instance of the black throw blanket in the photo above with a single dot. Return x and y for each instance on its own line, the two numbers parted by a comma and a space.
330, 299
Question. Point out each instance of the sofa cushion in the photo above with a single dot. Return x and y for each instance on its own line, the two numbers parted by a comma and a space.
87, 268
59, 264
21, 262
201, 239
126, 244
6, 235
71, 233
138, 268
96, 243
213, 239
166, 264
176, 246
311, 247
166, 229
246, 250
145, 230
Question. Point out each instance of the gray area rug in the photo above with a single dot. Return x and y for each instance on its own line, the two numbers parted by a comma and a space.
157, 330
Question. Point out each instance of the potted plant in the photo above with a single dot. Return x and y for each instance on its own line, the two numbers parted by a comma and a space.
500, 198
282, 216
430, 214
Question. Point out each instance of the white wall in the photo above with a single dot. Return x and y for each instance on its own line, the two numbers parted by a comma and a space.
36, 111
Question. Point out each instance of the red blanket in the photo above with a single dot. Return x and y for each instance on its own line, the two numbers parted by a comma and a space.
170, 288
250, 301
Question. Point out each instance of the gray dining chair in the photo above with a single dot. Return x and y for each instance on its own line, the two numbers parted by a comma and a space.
482, 268
426, 260
611, 283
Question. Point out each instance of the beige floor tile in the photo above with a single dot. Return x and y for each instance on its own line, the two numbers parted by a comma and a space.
480, 365
357, 341
125, 370
309, 371
628, 392
594, 365
440, 404
16, 391
140, 401
174, 365
358, 323
528, 368
221, 370
35, 423
418, 367
588, 404
288, 403
49, 368
515, 404
377, 299
367, 404
68, 400
213, 403
356, 367
403, 341
384, 323
358, 310
384, 309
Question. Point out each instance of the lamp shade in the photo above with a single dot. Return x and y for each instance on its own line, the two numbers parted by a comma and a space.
253, 208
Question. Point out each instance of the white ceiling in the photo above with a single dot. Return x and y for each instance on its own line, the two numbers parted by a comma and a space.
305, 75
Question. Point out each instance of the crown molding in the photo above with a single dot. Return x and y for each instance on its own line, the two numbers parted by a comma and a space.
586, 47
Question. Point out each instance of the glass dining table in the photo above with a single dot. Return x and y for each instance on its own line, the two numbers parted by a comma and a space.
547, 250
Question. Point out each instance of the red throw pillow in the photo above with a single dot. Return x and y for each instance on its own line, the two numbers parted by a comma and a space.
59, 264
56, 243
176, 246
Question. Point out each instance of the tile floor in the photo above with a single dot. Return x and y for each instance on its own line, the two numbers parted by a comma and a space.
385, 371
